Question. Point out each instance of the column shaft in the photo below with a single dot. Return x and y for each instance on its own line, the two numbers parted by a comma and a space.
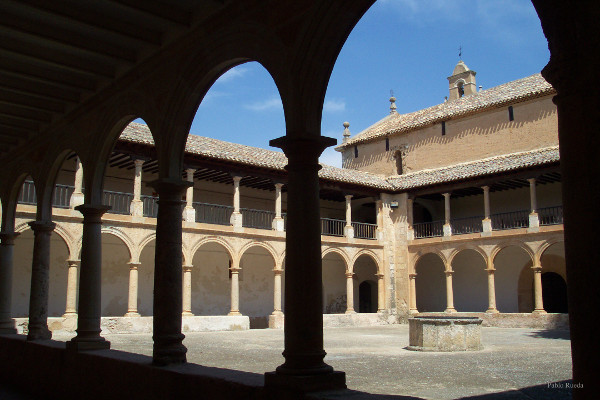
532, 195
486, 201
40, 279
449, 293
412, 307
187, 290
447, 225
189, 213
7, 239
537, 290
278, 223
168, 301
350, 293
70, 306
235, 291
349, 229
77, 196
137, 207
277, 291
380, 293
132, 300
491, 289
90, 278
236, 216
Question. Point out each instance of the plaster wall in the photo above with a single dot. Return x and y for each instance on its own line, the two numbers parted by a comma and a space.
115, 276
334, 284
430, 283
256, 282
211, 285
146, 279
469, 282
469, 138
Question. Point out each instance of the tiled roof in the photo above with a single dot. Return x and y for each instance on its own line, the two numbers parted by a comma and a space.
257, 157
512, 92
467, 170
252, 156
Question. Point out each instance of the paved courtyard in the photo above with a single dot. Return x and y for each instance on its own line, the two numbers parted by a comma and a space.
516, 363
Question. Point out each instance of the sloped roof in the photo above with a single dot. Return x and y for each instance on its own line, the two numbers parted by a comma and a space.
473, 169
512, 92
252, 156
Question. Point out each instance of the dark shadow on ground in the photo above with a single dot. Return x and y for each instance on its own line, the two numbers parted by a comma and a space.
560, 390
563, 334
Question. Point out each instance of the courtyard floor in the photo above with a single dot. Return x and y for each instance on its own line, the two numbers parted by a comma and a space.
515, 363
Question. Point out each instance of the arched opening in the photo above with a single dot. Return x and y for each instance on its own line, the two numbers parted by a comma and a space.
256, 286
365, 284
554, 279
145, 302
398, 158
334, 284
211, 280
469, 282
115, 276
513, 279
461, 88
430, 283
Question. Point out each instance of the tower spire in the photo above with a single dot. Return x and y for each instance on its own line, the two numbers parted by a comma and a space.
392, 103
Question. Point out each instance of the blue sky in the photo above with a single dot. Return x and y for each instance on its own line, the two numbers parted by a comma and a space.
408, 46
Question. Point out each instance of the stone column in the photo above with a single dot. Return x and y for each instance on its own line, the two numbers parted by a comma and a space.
350, 293
491, 289
487, 222
77, 195
7, 241
534, 221
303, 331
40, 279
379, 206
278, 224
235, 290
187, 291
132, 301
189, 213
90, 278
349, 229
236, 216
449, 293
168, 282
380, 293
447, 226
277, 291
410, 218
137, 206
537, 289
71, 305
412, 306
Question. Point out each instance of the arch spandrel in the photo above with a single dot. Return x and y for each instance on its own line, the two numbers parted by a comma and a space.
472, 247
508, 243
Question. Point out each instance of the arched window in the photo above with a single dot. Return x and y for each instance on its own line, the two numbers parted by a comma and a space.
461, 89
398, 157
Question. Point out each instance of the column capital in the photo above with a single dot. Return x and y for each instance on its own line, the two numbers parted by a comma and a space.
235, 270
170, 186
380, 276
236, 178
279, 185
412, 275
190, 170
138, 162
134, 265
42, 226
187, 268
8, 238
92, 211
349, 274
310, 146
490, 270
448, 272
536, 268
531, 181
73, 263
277, 271
447, 194
485, 188
348, 197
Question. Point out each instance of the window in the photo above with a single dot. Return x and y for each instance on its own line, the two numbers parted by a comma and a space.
461, 89
355, 151
398, 157
443, 128
387, 144
511, 115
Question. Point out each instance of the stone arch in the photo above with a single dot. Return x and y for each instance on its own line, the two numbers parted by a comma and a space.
506, 243
218, 240
554, 276
61, 231
147, 240
347, 263
547, 244
469, 279
264, 245
464, 247
424, 252
369, 253
10, 197
111, 230
365, 281
212, 259
430, 281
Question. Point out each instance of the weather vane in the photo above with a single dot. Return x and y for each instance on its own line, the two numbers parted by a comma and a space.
460, 52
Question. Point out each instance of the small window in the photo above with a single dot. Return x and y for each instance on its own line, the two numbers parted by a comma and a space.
461, 89
398, 157
511, 115
355, 151
387, 144
443, 128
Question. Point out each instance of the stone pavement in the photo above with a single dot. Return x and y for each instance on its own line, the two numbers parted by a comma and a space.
515, 363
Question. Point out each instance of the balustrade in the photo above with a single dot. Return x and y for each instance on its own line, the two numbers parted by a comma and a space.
510, 220
428, 229
461, 226
362, 230
550, 215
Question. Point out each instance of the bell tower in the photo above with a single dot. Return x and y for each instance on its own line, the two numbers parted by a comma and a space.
462, 81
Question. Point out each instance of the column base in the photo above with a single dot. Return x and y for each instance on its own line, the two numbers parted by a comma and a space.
539, 312
350, 312
450, 310
70, 315
41, 333
132, 314
335, 380
276, 320
413, 311
8, 327
187, 314
8, 331
492, 311
234, 314
83, 345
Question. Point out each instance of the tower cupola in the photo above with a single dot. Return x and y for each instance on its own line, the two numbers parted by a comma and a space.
462, 81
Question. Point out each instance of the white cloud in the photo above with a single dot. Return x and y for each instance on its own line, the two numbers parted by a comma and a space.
333, 106
232, 74
331, 157
274, 103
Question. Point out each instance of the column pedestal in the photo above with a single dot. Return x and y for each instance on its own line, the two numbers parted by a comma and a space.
90, 278
40, 279
7, 241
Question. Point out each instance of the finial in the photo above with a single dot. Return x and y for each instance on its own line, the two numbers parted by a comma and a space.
460, 52
346, 132
392, 103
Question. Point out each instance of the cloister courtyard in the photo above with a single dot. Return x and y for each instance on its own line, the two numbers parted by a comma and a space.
515, 363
